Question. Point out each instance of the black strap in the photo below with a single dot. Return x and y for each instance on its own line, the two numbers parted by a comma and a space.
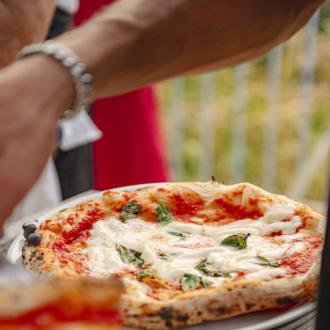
62, 21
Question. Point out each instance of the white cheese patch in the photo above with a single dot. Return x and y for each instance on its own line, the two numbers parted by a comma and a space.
277, 212
172, 256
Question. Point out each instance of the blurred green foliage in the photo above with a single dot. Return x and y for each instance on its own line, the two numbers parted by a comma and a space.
288, 118
324, 16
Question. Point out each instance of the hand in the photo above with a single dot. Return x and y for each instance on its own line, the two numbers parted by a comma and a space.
34, 93
21, 23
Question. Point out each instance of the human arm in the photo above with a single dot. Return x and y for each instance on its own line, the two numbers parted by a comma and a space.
142, 41
133, 43
21, 23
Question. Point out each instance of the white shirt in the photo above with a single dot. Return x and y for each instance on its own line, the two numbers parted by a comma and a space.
70, 6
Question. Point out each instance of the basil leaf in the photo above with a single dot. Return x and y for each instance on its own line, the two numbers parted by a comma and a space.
130, 210
206, 283
177, 234
145, 273
163, 256
265, 262
202, 266
190, 282
129, 256
164, 216
238, 241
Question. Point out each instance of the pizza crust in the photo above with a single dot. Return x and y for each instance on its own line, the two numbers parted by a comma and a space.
43, 262
78, 295
213, 303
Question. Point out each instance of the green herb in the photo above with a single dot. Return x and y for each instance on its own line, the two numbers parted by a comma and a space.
238, 241
265, 262
130, 210
202, 266
145, 273
129, 256
163, 256
177, 234
206, 283
191, 282
164, 216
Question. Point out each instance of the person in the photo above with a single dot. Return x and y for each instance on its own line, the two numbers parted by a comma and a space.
74, 162
21, 23
120, 164
72, 171
131, 44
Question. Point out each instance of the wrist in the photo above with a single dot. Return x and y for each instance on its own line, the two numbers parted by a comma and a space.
45, 78
72, 64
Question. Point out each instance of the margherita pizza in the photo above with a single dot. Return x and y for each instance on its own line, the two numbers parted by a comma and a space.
186, 252
61, 304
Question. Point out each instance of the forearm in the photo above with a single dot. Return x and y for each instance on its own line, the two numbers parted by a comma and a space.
137, 42
21, 23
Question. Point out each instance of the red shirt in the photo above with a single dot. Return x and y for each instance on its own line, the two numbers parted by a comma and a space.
131, 150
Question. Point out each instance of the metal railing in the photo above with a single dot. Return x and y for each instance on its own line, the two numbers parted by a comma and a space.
310, 157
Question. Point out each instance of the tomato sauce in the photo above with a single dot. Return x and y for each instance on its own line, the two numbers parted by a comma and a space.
300, 262
161, 189
315, 241
241, 274
49, 316
66, 255
83, 225
70, 219
184, 207
276, 233
238, 212
60, 246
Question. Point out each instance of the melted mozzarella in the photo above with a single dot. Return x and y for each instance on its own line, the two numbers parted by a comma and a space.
182, 255
278, 212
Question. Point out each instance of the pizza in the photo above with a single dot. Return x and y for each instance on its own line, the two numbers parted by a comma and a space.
61, 304
186, 253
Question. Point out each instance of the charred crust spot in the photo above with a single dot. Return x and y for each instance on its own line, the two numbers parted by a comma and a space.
217, 310
182, 318
167, 315
29, 229
221, 311
32, 255
34, 239
249, 306
287, 300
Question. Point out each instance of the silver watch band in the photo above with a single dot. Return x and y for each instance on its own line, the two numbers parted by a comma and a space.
72, 63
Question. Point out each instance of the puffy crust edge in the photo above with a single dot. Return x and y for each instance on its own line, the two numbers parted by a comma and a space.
41, 260
213, 304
